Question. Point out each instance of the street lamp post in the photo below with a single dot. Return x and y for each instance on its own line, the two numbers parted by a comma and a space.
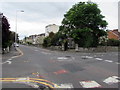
16, 25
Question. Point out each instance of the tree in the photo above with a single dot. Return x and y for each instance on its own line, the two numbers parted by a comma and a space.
5, 32
8, 37
47, 41
84, 23
113, 42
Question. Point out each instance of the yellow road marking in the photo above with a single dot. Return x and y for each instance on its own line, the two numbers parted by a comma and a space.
30, 80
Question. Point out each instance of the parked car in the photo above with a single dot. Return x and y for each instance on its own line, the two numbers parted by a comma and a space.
16, 45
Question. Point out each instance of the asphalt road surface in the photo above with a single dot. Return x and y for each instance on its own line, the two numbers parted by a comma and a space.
66, 69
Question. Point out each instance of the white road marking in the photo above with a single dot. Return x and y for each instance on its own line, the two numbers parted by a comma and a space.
117, 63
99, 59
45, 53
9, 62
28, 79
14, 56
89, 84
33, 85
116, 77
86, 57
10, 59
4, 62
21, 79
112, 80
62, 58
108, 61
66, 85
36, 50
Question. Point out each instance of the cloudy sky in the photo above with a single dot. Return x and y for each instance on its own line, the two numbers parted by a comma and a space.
38, 14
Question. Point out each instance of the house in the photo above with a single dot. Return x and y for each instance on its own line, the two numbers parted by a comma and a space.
35, 39
51, 28
113, 34
40, 38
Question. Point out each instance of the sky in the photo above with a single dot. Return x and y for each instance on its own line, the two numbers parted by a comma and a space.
38, 13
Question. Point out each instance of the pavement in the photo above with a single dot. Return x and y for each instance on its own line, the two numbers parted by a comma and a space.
13, 52
66, 69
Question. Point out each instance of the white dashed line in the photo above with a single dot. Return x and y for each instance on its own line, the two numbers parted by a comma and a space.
99, 58
36, 50
89, 84
62, 58
108, 61
86, 57
66, 85
10, 59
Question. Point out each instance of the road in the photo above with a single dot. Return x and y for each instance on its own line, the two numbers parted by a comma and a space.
66, 69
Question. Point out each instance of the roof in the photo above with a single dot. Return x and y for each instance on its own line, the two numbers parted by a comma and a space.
115, 32
50, 25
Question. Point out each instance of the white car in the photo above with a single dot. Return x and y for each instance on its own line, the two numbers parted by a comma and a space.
16, 45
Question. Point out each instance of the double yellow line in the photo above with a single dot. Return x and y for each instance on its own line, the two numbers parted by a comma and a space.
35, 80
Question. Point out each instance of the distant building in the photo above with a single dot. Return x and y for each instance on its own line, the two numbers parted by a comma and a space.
40, 38
113, 34
35, 39
51, 28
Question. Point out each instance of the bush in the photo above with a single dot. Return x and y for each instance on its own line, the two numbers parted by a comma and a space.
47, 42
113, 42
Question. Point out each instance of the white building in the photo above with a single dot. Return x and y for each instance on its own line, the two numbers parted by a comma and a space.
51, 28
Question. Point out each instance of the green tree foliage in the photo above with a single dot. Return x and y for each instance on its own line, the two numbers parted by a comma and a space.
48, 39
113, 42
57, 39
7, 35
84, 23
5, 32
